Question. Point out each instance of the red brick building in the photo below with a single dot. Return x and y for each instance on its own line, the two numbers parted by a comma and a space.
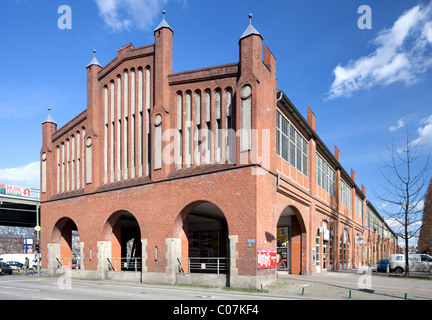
208, 175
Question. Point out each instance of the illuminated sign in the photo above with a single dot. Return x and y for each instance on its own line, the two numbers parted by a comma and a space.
14, 190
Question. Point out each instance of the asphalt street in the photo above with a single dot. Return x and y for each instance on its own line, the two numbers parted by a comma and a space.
330, 286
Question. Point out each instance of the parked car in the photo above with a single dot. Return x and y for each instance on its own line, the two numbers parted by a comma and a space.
5, 268
15, 265
417, 262
382, 265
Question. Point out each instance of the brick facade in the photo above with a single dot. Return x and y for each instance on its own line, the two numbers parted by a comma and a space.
139, 156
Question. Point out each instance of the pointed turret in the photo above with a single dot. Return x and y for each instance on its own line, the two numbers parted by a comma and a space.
163, 23
250, 50
250, 29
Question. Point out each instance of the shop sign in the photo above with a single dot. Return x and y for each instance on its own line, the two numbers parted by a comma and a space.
14, 191
367, 245
359, 240
266, 259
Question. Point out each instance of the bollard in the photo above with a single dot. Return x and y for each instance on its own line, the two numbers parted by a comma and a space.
302, 291
406, 296
350, 294
261, 287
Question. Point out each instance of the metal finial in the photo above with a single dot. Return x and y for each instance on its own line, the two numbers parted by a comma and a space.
49, 109
94, 52
163, 12
250, 18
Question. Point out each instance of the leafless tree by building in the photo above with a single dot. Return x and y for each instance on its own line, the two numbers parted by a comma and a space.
404, 190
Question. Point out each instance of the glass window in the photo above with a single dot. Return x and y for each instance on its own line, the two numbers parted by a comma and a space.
346, 196
326, 176
291, 146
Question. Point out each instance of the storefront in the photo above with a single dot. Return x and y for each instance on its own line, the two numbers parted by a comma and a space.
283, 248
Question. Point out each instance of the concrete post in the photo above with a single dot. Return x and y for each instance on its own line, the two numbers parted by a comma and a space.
104, 253
53, 255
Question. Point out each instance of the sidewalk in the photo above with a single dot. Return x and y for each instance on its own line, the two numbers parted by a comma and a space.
349, 284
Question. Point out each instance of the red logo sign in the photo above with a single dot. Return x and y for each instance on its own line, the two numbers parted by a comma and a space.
266, 259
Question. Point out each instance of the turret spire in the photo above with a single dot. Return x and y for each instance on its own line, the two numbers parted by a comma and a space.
250, 29
163, 23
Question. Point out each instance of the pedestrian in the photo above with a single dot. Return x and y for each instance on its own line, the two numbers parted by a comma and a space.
26, 265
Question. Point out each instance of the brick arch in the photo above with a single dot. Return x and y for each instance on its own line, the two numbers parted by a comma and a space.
202, 209
62, 235
298, 240
60, 227
113, 231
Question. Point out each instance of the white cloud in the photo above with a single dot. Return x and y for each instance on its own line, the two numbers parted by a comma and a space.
403, 53
399, 125
25, 176
122, 15
425, 132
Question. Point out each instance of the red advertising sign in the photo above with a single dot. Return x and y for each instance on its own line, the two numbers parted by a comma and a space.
367, 245
266, 259
14, 191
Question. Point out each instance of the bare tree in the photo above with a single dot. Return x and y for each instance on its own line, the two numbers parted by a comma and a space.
405, 190
11, 238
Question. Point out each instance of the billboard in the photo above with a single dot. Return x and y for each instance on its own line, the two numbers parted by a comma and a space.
267, 259
9, 190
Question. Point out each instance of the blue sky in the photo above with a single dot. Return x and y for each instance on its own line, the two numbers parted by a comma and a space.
364, 85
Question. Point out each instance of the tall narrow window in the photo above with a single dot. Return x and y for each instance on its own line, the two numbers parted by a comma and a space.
230, 134
208, 126
125, 124
105, 134
112, 132
158, 142
83, 156
218, 126
246, 118
179, 140
43, 158
58, 169
88, 160
198, 133
78, 165
358, 207
73, 163
119, 127
148, 137
132, 126
67, 164
140, 123
188, 130
63, 167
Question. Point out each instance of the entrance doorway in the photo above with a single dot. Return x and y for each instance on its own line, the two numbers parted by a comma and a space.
291, 235
66, 232
126, 248
205, 243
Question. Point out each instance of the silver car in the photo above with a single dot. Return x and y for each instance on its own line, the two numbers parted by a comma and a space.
417, 262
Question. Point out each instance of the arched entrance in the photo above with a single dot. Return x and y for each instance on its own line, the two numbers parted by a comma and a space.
203, 231
291, 236
123, 232
68, 253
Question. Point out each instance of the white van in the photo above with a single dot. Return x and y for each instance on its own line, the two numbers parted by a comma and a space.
417, 262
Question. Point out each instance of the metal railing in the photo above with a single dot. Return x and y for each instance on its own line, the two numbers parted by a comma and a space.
124, 264
68, 263
218, 265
